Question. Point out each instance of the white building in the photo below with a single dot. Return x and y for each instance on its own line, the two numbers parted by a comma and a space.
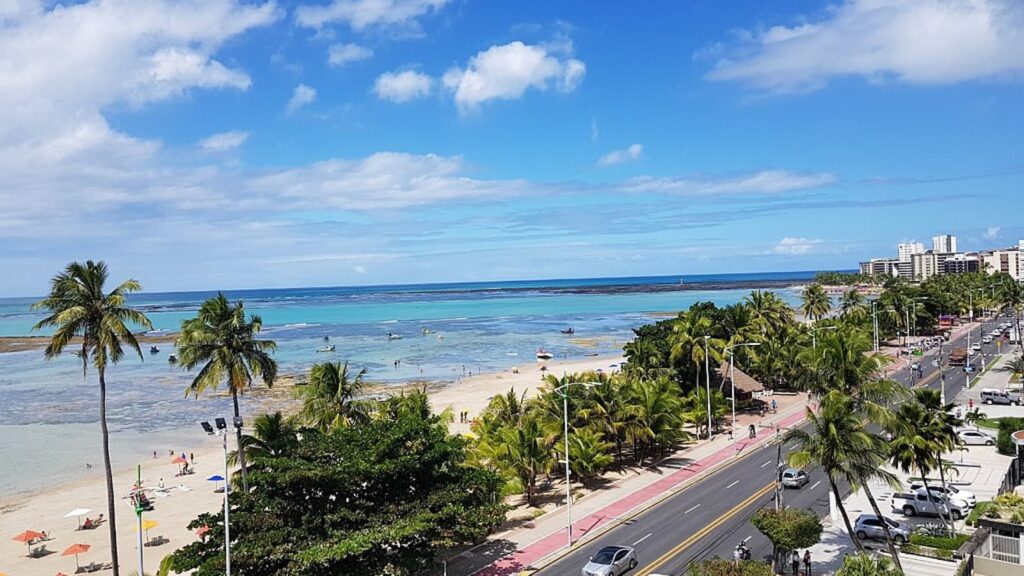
944, 243
1006, 261
905, 250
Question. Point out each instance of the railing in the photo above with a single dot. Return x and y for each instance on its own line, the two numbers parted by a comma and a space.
1012, 478
1004, 548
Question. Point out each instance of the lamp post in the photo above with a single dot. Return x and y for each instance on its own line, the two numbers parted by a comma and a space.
222, 431
732, 378
814, 340
564, 391
707, 374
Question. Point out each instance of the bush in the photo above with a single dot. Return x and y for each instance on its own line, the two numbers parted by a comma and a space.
944, 554
1009, 500
940, 542
980, 511
1008, 426
720, 567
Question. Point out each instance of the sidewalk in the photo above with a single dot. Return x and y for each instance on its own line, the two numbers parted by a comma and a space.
542, 541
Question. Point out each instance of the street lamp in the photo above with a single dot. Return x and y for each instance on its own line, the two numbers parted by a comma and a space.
222, 431
564, 391
814, 340
732, 378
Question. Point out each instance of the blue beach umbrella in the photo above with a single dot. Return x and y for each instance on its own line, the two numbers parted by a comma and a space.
216, 478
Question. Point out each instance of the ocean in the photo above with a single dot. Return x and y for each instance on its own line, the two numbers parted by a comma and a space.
446, 331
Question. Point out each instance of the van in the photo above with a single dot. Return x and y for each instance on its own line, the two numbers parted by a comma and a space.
995, 396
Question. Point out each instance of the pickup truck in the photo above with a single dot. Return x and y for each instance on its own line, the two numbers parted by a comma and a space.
919, 503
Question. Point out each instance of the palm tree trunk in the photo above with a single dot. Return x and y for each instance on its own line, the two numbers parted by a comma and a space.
238, 438
885, 525
842, 511
945, 490
945, 521
112, 520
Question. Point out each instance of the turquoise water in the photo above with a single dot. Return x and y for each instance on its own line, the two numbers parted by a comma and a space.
473, 328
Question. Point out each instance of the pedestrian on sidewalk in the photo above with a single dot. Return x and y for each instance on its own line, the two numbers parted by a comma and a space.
795, 562
775, 407
807, 562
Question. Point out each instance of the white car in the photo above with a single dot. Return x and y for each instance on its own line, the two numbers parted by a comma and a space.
986, 340
611, 561
975, 438
976, 347
954, 492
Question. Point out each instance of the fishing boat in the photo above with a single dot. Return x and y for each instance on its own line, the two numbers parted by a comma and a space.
543, 354
172, 358
154, 350
569, 330
427, 331
329, 348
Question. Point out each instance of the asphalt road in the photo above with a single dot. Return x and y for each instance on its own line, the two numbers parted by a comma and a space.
710, 517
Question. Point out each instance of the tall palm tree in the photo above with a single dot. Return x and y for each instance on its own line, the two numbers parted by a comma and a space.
942, 429
832, 444
523, 451
688, 344
654, 413
273, 435
79, 308
852, 304
328, 400
816, 302
864, 564
915, 444
589, 454
768, 311
224, 341
605, 411
1011, 295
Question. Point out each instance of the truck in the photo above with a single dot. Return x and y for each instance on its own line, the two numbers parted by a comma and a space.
919, 503
958, 357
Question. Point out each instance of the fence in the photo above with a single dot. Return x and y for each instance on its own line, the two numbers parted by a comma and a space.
1012, 478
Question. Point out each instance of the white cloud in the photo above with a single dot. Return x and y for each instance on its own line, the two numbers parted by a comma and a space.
795, 246
359, 269
922, 42
224, 141
402, 86
505, 72
301, 96
992, 232
362, 14
765, 182
634, 152
342, 54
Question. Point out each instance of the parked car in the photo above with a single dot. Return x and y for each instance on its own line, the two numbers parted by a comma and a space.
869, 526
794, 478
611, 561
919, 503
975, 438
953, 492
976, 347
998, 396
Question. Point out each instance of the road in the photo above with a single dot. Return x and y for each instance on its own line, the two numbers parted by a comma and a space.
710, 517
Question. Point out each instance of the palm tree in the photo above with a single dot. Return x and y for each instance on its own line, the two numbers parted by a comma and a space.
688, 344
816, 302
942, 430
834, 445
1011, 294
328, 400
843, 361
273, 435
523, 451
79, 307
605, 411
589, 454
224, 342
864, 564
768, 311
851, 305
1016, 365
915, 444
654, 421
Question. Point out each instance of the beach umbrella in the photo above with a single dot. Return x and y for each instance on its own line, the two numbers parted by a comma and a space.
216, 478
179, 460
27, 537
78, 513
76, 549
147, 525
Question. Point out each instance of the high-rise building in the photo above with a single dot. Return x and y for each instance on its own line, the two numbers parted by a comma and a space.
907, 249
1005, 261
944, 243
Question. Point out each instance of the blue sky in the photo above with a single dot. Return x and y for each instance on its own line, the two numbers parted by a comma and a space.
210, 144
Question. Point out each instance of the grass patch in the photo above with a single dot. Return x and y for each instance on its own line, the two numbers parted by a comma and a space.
980, 510
990, 423
939, 542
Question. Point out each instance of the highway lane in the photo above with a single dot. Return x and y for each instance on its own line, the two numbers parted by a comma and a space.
710, 517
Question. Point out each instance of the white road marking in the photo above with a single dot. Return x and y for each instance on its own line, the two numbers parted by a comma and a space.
747, 538
815, 485
641, 540
735, 482
766, 463
692, 509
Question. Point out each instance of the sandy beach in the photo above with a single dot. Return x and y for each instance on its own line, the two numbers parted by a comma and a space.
187, 496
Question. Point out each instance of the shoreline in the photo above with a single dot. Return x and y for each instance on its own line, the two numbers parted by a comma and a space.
44, 507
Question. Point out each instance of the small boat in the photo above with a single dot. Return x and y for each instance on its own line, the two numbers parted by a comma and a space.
77, 353
543, 354
427, 331
329, 348
154, 350
172, 358
393, 336
327, 338
569, 330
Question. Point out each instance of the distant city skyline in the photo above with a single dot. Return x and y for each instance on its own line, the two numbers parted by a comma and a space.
355, 142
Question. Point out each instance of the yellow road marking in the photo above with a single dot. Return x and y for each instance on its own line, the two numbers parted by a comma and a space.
664, 558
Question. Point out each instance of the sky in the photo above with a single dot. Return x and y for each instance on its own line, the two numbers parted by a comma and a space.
224, 144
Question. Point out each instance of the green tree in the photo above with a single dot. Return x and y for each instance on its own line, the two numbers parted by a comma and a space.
589, 454
788, 529
815, 302
1016, 365
273, 435
655, 422
722, 567
79, 307
768, 313
1011, 296
224, 341
916, 443
852, 304
525, 452
864, 564
328, 399
384, 497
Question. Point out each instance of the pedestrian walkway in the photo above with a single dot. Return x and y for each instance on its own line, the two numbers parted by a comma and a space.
546, 539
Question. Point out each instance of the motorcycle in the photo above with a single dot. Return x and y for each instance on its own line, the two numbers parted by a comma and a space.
742, 551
